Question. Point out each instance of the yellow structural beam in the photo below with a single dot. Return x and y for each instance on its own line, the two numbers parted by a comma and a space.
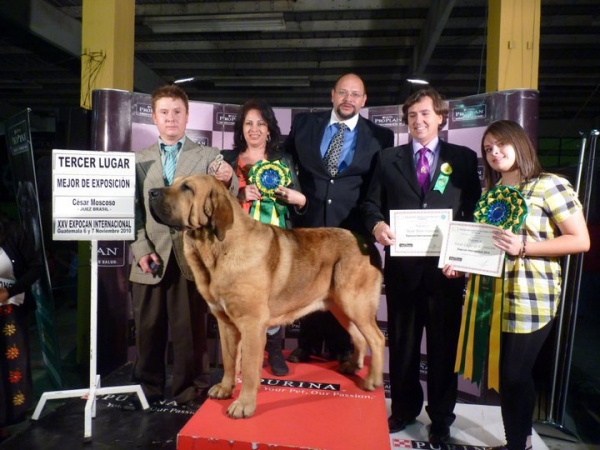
108, 32
513, 44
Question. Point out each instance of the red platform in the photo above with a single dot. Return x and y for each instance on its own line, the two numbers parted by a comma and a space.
314, 407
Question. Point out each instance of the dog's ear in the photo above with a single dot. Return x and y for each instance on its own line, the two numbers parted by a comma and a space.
218, 209
199, 217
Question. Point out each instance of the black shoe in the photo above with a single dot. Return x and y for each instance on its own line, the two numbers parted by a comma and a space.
395, 424
299, 355
439, 433
275, 357
277, 363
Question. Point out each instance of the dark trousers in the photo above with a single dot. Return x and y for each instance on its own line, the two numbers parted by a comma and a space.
322, 327
433, 304
517, 387
172, 308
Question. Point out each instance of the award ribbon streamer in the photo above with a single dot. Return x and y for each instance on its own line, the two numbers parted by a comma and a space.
268, 176
481, 325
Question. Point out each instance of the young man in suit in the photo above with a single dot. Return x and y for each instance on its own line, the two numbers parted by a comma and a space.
334, 183
418, 295
165, 300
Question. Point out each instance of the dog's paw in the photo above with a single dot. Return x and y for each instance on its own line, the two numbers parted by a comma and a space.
349, 368
220, 391
372, 382
241, 410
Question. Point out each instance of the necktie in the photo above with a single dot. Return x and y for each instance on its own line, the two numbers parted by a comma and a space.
170, 162
332, 155
423, 170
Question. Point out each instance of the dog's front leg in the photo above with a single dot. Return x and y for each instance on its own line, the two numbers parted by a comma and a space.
253, 338
230, 337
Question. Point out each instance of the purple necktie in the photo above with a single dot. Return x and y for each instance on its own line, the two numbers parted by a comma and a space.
423, 170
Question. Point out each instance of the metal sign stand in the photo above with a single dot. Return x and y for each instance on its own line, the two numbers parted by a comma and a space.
554, 425
94, 390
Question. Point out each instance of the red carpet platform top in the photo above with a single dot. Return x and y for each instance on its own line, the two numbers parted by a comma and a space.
313, 407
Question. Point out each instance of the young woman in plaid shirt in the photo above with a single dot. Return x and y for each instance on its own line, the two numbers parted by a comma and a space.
554, 227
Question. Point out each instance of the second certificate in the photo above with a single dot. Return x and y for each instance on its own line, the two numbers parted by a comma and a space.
419, 232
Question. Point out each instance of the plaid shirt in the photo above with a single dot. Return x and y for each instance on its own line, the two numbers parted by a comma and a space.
532, 285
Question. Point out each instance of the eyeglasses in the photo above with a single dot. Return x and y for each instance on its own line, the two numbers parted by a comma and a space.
343, 94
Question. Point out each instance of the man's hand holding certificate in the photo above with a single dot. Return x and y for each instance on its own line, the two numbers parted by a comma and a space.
469, 247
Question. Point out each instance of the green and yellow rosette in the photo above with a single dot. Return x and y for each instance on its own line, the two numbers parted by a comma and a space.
268, 176
481, 326
443, 178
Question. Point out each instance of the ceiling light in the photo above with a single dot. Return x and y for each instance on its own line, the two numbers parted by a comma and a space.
184, 80
217, 23
417, 81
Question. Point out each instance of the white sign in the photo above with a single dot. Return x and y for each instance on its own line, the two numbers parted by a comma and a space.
93, 195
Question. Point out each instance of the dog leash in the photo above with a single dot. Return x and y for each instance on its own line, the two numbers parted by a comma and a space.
218, 161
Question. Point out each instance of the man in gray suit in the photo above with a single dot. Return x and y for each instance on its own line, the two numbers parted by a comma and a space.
165, 300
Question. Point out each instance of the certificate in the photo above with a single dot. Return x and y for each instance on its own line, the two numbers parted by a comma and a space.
419, 232
469, 247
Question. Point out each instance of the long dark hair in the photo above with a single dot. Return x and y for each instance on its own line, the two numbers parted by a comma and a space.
511, 133
239, 142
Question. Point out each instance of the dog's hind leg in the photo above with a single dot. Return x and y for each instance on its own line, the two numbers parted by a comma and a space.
360, 345
230, 337
365, 322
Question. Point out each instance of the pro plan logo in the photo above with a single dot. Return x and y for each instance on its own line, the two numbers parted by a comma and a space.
143, 110
225, 118
386, 120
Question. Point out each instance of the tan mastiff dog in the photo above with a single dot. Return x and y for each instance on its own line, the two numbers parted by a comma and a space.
254, 276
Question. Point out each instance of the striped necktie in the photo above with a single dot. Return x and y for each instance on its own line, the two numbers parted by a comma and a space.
332, 155
170, 162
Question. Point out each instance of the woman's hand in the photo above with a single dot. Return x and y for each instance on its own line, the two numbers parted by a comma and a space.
508, 241
449, 271
250, 193
290, 196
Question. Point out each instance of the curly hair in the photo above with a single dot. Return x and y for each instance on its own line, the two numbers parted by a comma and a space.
239, 142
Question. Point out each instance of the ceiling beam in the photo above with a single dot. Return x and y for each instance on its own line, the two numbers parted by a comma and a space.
64, 32
437, 17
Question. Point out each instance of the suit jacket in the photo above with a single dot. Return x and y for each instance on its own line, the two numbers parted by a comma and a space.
151, 236
395, 186
333, 202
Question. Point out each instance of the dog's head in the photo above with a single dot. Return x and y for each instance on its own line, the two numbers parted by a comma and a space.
193, 202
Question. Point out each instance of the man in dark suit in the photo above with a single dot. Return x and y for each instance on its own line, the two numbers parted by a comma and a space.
418, 295
334, 184
165, 300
